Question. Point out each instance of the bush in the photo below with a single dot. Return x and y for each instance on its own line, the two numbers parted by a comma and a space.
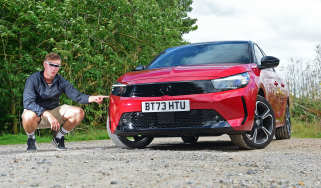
305, 109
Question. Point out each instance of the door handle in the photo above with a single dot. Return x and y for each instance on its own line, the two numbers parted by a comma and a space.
275, 83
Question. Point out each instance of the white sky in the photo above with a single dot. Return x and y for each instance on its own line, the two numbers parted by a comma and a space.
282, 28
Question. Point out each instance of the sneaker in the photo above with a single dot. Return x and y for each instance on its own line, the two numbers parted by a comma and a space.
31, 143
59, 143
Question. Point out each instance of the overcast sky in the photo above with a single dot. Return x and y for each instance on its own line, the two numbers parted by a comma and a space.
283, 28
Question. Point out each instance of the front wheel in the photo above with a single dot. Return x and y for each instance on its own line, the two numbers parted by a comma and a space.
137, 141
263, 129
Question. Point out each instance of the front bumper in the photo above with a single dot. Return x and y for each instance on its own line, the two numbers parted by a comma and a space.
177, 132
194, 122
228, 112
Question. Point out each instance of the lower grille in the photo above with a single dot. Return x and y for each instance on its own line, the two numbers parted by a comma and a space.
193, 119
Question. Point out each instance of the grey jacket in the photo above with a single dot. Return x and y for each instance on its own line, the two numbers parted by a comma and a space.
38, 96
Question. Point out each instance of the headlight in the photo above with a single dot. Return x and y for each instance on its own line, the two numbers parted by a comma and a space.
231, 82
118, 89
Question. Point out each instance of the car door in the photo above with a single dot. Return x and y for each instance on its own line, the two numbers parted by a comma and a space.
271, 84
282, 95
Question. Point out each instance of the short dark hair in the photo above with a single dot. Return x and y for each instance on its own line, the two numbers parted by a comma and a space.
52, 56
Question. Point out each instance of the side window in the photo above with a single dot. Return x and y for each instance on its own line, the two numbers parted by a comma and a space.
258, 54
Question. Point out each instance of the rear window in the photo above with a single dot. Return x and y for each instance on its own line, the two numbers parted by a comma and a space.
214, 53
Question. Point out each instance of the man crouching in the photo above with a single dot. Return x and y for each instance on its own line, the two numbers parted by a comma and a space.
41, 103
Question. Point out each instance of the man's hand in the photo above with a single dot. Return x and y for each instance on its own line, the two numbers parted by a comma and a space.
52, 120
97, 99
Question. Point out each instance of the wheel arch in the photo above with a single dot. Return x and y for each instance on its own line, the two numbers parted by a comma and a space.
261, 92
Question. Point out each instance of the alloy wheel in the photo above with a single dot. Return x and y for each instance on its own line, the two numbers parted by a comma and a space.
263, 124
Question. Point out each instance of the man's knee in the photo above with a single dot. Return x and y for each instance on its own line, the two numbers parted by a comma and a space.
80, 113
72, 114
75, 113
29, 117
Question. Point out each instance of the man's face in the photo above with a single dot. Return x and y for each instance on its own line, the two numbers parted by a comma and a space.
51, 68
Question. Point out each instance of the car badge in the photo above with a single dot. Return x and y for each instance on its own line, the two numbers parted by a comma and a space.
165, 90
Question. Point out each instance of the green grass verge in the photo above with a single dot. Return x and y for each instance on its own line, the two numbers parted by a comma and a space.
91, 134
301, 129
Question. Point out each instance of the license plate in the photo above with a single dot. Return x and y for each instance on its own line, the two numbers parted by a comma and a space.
166, 106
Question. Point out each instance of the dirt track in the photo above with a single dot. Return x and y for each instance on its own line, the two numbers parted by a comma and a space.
167, 162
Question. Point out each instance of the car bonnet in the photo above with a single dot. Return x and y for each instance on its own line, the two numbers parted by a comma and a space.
183, 73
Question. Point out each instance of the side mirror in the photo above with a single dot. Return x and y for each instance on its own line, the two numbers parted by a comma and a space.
139, 68
269, 62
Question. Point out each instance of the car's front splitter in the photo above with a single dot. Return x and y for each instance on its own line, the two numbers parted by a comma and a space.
214, 129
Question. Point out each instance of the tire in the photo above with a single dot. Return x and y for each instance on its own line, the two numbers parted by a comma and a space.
263, 129
137, 141
190, 139
284, 132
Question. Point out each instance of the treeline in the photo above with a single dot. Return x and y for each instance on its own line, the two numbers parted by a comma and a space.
98, 40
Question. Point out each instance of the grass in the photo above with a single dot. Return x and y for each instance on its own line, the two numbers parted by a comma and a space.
78, 135
301, 129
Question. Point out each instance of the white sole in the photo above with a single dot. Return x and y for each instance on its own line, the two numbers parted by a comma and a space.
56, 146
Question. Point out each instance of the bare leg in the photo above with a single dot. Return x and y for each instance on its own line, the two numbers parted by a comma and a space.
30, 121
73, 116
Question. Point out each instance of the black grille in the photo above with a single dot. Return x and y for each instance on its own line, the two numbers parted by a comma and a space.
170, 89
193, 118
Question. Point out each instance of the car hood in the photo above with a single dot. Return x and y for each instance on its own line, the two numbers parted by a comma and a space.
184, 73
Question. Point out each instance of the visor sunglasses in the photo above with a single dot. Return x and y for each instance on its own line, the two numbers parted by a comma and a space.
54, 65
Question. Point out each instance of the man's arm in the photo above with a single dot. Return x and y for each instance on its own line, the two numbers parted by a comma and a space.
30, 96
54, 123
97, 99
73, 93
79, 97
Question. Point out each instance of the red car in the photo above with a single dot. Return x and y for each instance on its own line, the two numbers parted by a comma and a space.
204, 89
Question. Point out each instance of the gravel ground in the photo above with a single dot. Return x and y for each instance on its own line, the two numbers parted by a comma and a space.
167, 162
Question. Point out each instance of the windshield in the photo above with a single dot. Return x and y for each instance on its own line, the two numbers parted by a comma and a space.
210, 53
